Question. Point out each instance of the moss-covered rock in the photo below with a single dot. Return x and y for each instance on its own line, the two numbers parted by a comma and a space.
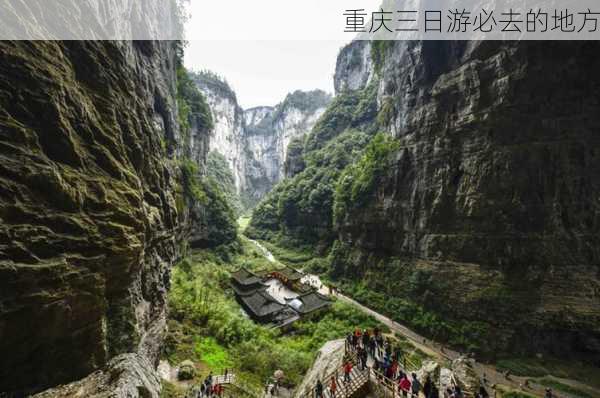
186, 370
90, 205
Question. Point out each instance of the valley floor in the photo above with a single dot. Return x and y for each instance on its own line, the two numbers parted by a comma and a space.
208, 327
527, 377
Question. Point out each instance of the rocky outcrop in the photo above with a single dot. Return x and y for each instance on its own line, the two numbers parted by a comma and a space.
498, 166
126, 376
89, 220
329, 358
254, 141
354, 67
227, 134
268, 133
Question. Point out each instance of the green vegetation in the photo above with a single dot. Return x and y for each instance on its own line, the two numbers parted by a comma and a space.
208, 200
467, 335
215, 213
214, 83
218, 171
358, 181
170, 390
306, 101
558, 386
515, 394
243, 223
379, 49
299, 210
208, 327
301, 207
192, 107
541, 368
213, 354
349, 110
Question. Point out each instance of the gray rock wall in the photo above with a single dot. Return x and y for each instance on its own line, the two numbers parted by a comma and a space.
89, 223
255, 141
498, 166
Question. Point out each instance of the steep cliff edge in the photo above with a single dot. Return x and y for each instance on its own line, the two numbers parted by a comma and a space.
492, 188
480, 201
91, 206
254, 141
269, 132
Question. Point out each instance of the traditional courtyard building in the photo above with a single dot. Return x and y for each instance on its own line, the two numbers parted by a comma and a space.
251, 291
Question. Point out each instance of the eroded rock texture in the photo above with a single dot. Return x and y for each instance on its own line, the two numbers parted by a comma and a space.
255, 141
499, 167
89, 226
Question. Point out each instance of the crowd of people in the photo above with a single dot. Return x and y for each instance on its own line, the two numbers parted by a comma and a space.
371, 346
208, 388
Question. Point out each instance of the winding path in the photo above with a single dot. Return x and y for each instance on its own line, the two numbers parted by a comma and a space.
435, 349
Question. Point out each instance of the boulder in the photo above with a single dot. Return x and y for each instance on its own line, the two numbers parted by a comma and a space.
187, 370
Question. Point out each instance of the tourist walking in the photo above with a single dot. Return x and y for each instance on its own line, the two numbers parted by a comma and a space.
333, 385
372, 344
347, 371
319, 389
434, 393
404, 385
427, 387
363, 358
416, 386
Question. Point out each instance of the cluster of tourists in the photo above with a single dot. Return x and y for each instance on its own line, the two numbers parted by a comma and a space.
208, 388
372, 347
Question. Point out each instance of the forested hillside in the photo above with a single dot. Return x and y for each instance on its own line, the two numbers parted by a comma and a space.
470, 213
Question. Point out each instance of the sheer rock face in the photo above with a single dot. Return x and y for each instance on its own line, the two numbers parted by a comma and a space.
499, 166
354, 68
126, 376
227, 135
269, 132
89, 225
255, 141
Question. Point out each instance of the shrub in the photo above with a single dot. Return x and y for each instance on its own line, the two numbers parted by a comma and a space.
358, 181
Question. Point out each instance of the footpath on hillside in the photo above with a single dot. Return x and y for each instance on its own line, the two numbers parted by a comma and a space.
483, 371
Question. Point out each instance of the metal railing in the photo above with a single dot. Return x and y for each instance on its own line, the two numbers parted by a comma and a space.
232, 387
362, 379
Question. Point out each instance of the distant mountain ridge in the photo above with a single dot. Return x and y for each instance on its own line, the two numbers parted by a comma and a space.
254, 141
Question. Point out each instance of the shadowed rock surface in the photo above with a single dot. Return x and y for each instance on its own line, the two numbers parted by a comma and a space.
89, 224
478, 222
498, 165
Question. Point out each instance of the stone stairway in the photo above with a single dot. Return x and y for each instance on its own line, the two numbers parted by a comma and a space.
362, 382
359, 379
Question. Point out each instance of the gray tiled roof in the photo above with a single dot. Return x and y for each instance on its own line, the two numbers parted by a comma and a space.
312, 301
290, 273
245, 277
261, 303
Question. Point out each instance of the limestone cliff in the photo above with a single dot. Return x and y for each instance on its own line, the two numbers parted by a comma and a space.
227, 134
268, 134
492, 191
254, 141
473, 215
89, 208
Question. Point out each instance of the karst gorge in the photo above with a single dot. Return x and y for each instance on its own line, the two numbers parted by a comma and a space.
445, 198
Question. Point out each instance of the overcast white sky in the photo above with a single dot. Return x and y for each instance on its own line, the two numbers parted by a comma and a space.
263, 72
